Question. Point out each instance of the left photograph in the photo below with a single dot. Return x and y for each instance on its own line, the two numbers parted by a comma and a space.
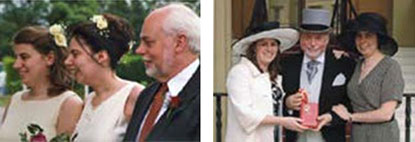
93, 71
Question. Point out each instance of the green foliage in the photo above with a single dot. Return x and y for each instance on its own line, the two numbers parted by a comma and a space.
4, 100
78, 89
61, 138
23, 137
18, 14
15, 15
34, 129
131, 67
13, 82
36, 134
194, 4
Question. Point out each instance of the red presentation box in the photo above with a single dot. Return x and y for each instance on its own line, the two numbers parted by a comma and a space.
308, 111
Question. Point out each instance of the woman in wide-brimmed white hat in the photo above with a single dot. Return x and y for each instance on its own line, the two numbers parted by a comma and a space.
254, 86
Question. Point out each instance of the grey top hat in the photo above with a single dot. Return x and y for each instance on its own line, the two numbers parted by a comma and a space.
315, 21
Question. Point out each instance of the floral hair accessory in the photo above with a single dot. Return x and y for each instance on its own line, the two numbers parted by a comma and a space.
58, 33
100, 21
131, 45
101, 24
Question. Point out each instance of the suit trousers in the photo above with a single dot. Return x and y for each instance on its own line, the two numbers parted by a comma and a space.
310, 136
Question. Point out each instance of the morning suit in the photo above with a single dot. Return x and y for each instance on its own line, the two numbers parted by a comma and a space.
178, 124
330, 93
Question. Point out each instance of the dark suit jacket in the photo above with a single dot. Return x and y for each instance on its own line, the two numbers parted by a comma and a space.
329, 95
182, 124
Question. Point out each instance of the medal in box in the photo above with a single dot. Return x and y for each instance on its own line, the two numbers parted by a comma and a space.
308, 111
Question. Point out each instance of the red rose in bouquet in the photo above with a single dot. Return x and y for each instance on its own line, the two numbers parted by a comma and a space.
38, 138
36, 135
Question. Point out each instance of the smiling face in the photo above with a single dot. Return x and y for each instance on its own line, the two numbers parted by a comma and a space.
156, 48
314, 44
366, 43
266, 51
79, 62
32, 66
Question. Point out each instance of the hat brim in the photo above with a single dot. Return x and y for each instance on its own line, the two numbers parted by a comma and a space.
388, 46
315, 31
314, 28
286, 36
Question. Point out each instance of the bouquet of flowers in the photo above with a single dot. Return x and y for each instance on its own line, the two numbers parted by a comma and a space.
36, 135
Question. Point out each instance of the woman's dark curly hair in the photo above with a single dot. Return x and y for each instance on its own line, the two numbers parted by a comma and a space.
114, 39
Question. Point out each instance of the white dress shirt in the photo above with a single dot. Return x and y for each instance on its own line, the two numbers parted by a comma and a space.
313, 88
174, 85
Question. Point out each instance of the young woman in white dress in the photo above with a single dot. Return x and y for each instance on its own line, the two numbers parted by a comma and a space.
96, 47
47, 102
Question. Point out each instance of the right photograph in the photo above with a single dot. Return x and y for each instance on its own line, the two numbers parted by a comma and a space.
314, 71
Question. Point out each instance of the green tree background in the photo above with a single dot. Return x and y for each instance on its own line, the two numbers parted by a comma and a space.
15, 14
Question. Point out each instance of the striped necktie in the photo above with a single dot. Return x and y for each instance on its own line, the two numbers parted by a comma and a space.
312, 70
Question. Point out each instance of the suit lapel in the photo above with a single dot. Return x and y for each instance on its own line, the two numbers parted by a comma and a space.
291, 80
186, 95
142, 105
328, 72
189, 92
297, 71
147, 101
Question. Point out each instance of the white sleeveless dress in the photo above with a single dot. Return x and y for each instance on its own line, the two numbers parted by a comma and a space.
23, 112
105, 123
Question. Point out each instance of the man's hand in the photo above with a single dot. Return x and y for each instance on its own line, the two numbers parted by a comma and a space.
322, 120
294, 101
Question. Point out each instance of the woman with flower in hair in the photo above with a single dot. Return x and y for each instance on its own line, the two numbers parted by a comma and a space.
47, 102
96, 47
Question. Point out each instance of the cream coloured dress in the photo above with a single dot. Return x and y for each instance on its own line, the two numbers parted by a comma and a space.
249, 102
106, 122
23, 112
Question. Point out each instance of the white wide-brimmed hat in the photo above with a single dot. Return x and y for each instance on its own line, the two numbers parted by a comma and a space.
287, 37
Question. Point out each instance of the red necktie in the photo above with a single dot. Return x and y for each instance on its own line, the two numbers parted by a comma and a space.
153, 113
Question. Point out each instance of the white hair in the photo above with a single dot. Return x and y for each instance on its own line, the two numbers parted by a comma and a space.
182, 19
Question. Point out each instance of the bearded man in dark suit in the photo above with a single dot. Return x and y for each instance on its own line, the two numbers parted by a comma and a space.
169, 110
323, 75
